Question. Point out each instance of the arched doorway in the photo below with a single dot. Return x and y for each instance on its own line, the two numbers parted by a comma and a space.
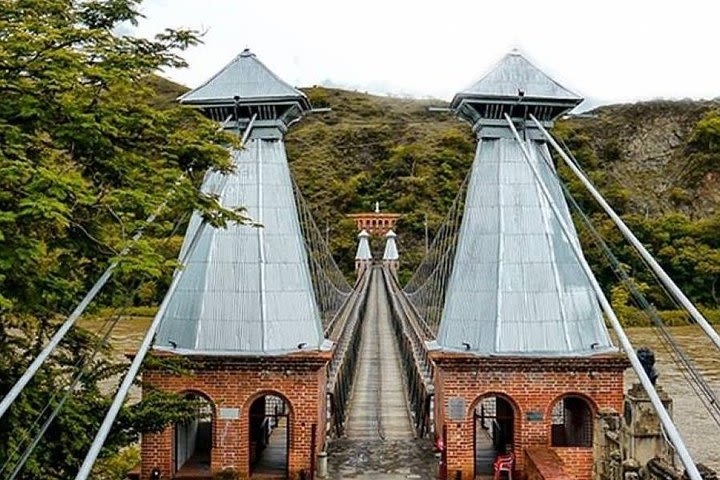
269, 430
193, 439
572, 422
494, 429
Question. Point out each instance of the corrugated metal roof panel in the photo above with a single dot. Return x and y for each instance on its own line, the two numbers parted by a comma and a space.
515, 73
516, 287
231, 298
247, 78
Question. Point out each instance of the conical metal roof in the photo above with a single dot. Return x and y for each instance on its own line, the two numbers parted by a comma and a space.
514, 75
363, 249
391, 251
513, 87
246, 290
517, 287
247, 80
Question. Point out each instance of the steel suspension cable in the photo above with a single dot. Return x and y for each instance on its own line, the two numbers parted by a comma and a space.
330, 285
428, 284
68, 392
630, 236
689, 370
134, 368
80, 366
52, 344
670, 428
132, 372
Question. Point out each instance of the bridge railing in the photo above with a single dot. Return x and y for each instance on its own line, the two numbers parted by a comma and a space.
345, 330
411, 333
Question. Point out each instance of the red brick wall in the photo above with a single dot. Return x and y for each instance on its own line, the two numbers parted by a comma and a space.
542, 463
532, 385
377, 224
236, 383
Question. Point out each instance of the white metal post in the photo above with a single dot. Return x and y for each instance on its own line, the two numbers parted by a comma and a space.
669, 426
627, 233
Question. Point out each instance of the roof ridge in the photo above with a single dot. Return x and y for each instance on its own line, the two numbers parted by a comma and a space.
473, 88
244, 77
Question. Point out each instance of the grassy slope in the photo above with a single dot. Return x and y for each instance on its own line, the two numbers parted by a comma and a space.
642, 149
371, 148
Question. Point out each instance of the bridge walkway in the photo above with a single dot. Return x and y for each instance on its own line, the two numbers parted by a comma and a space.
379, 439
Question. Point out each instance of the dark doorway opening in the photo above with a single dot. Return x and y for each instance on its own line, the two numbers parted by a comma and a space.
193, 441
494, 428
269, 430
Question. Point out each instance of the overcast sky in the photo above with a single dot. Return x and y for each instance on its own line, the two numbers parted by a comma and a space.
608, 50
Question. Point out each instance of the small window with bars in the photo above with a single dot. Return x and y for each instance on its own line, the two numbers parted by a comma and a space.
572, 423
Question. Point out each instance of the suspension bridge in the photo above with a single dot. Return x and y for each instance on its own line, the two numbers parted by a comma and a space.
498, 348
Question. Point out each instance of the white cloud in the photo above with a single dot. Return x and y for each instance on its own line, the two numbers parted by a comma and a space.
613, 50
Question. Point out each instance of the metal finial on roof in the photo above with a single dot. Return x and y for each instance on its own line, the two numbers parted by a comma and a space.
246, 53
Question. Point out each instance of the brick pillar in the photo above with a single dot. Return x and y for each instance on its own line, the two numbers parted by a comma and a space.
232, 384
532, 386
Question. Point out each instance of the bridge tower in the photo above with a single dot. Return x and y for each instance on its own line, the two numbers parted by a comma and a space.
244, 319
363, 255
391, 257
523, 360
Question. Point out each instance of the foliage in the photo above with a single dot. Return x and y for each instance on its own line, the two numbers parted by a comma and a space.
91, 143
683, 238
381, 149
412, 161
86, 155
119, 465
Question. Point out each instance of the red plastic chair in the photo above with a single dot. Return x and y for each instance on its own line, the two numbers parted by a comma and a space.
503, 463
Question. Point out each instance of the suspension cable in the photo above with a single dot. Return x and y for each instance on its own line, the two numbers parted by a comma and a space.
73, 317
665, 419
428, 284
68, 392
689, 370
134, 368
80, 366
627, 233
331, 287
132, 372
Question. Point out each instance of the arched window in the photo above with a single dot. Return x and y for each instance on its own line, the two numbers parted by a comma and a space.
572, 423
193, 439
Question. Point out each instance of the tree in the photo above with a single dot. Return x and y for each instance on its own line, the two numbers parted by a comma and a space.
85, 157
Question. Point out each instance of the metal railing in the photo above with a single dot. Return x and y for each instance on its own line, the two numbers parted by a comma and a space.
346, 330
411, 333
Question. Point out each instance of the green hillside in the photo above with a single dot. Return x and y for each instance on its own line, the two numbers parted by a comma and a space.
657, 163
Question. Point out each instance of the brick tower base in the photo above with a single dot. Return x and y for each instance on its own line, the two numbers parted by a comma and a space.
529, 388
232, 385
